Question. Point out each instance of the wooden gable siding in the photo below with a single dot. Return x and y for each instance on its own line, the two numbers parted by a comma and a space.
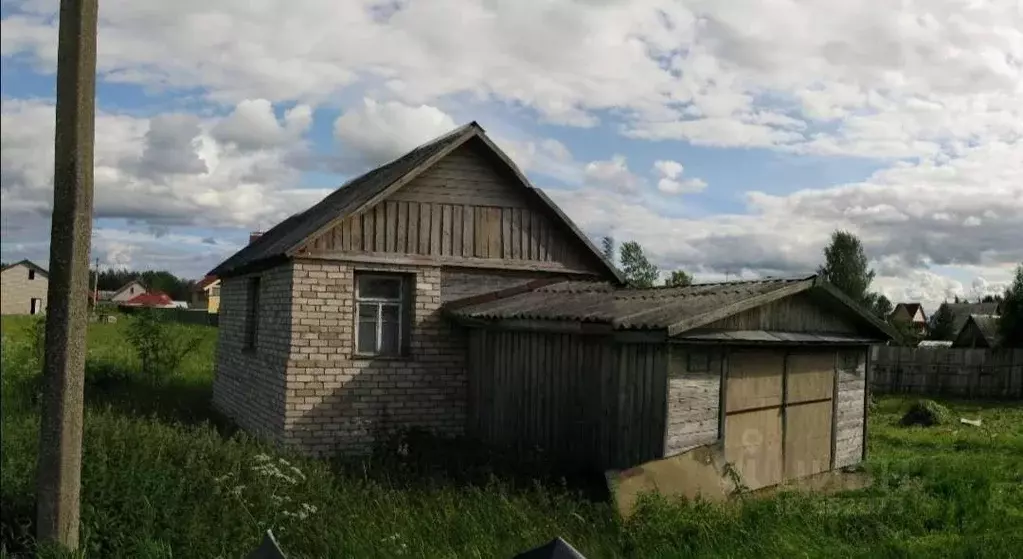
462, 207
798, 313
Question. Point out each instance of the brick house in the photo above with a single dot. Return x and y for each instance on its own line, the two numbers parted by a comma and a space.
374, 309
23, 289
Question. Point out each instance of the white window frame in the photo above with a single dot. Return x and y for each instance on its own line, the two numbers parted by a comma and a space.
401, 302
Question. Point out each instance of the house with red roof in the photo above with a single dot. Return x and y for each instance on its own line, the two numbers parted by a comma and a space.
152, 299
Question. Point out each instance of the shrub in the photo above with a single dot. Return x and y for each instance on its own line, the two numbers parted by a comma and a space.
927, 413
160, 346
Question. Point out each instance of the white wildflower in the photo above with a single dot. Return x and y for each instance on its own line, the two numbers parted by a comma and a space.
309, 508
237, 491
262, 457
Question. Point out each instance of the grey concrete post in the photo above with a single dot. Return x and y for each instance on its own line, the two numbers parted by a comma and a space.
60, 431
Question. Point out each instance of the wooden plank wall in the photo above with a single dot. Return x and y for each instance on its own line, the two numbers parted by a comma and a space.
798, 313
981, 373
586, 402
461, 207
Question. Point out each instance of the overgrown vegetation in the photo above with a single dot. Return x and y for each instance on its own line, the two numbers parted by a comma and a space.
1010, 325
926, 413
165, 477
159, 344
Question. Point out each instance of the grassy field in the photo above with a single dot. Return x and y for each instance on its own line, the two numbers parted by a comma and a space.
164, 477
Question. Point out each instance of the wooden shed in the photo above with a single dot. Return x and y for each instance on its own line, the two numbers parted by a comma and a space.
601, 377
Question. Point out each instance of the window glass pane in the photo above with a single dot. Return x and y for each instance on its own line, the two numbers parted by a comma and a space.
375, 287
390, 313
390, 341
368, 312
367, 341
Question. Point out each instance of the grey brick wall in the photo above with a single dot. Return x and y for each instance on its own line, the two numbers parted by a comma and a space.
250, 384
336, 402
17, 291
693, 401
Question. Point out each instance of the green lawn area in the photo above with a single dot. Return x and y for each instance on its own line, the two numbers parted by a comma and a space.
163, 476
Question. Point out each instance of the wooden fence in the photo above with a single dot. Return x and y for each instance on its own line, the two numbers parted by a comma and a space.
971, 373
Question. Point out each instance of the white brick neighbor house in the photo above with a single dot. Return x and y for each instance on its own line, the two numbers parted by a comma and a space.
23, 287
442, 291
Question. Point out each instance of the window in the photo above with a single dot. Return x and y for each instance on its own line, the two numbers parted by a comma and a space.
31, 274
382, 314
699, 362
850, 360
215, 291
252, 313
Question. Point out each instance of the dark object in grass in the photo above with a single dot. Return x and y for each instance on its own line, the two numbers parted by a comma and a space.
554, 549
926, 413
268, 549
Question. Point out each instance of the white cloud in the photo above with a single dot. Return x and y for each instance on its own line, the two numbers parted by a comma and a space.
933, 89
253, 125
613, 174
375, 133
671, 181
167, 169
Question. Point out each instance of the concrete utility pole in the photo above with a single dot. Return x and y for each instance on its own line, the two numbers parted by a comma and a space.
60, 431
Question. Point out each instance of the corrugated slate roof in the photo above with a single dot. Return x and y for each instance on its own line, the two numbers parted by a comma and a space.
765, 336
988, 326
291, 232
601, 302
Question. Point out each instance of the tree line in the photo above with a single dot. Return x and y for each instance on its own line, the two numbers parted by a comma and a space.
179, 289
847, 268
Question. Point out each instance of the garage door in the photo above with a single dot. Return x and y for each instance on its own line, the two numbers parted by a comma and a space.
778, 415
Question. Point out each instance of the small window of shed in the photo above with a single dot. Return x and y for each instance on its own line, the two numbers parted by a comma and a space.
31, 274
849, 359
698, 362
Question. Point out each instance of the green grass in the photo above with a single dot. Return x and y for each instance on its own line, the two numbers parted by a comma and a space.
161, 477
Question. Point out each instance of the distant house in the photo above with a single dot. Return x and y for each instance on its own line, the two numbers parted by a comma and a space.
152, 299
978, 331
126, 292
961, 312
912, 314
23, 289
443, 291
206, 295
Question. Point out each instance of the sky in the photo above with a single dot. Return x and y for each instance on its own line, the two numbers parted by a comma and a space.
728, 138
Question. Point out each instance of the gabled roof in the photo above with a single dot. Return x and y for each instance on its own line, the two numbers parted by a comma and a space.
29, 264
126, 286
206, 282
987, 326
961, 312
150, 299
365, 191
674, 309
911, 309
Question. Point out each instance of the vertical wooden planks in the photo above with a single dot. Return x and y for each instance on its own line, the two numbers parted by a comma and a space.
445, 230
481, 246
494, 232
401, 241
346, 235
436, 219
413, 227
516, 233
506, 234
357, 242
380, 227
468, 231
457, 228
424, 228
